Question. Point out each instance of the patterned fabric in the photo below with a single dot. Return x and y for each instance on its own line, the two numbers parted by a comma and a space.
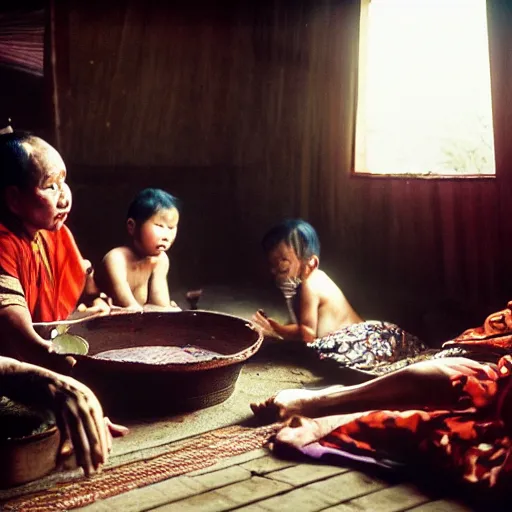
473, 441
11, 292
487, 343
50, 271
495, 334
371, 346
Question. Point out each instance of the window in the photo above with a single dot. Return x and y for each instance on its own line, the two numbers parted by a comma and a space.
424, 98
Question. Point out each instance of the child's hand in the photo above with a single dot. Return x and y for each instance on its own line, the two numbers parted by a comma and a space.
153, 307
100, 305
174, 306
262, 323
135, 308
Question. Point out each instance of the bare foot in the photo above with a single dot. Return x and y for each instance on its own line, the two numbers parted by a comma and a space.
285, 404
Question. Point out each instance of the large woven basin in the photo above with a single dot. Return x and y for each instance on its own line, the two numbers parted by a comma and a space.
132, 389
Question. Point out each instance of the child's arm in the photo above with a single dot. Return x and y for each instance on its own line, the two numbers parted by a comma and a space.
158, 288
116, 275
92, 300
300, 331
306, 329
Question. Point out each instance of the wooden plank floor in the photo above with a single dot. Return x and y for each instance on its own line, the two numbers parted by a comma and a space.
255, 481
258, 481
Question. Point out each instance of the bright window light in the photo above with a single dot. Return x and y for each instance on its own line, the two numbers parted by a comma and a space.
424, 98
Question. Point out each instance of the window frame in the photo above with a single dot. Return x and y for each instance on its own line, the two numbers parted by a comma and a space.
360, 133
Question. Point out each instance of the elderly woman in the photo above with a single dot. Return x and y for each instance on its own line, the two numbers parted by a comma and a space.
43, 276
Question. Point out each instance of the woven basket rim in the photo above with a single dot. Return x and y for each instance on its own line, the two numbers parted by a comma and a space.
215, 362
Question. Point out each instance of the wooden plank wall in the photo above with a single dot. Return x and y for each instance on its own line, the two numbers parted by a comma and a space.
260, 96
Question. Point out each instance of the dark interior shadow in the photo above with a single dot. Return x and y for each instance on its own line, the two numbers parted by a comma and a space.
428, 479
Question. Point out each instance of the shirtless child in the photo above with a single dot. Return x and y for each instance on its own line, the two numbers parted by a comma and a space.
318, 306
135, 276
321, 315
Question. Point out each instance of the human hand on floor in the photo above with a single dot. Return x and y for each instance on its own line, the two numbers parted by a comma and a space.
84, 430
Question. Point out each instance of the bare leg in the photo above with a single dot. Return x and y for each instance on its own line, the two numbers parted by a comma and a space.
424, 384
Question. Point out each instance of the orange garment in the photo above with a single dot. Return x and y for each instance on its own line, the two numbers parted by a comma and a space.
494, 334
50, 269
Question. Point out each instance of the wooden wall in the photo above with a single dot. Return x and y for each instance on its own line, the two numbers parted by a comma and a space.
245, 110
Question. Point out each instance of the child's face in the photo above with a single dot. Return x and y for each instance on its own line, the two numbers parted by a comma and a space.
158, 233
46, 204
284, 263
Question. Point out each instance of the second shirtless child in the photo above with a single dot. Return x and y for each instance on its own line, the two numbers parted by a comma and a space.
135, 276
320, 314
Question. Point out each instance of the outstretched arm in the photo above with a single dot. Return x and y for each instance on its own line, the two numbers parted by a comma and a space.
306, 329
78, 412
92, 300
424, 384
271, 327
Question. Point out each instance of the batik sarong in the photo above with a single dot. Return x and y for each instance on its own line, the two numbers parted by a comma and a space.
369, 346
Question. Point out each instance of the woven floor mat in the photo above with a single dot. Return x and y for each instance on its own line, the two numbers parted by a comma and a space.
198, 453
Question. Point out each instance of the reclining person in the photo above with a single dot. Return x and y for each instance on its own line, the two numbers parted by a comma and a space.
453, 411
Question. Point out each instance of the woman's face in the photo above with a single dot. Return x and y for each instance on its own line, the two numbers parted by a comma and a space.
47, 203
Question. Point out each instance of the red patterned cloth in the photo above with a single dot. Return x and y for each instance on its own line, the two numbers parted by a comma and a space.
473, 440
495, 333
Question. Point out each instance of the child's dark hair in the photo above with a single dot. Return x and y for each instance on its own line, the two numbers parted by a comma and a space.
148, 202
16, 167
298, 234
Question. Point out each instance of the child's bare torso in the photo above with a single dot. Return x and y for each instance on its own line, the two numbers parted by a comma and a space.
139, 272
334, 310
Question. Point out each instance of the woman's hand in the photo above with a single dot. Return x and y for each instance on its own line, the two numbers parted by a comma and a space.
81, 421
77, 410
